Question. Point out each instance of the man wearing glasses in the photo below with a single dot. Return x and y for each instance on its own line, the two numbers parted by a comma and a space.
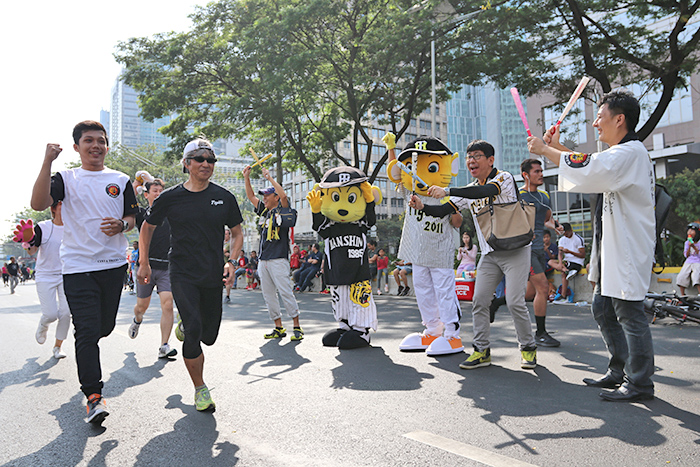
197, 211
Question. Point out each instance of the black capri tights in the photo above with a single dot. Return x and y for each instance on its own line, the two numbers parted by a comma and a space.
200, 312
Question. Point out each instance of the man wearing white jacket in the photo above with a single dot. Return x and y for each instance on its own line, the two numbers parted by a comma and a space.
623, 246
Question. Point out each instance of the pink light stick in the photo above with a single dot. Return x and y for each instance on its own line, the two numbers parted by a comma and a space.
521, 111
574, 97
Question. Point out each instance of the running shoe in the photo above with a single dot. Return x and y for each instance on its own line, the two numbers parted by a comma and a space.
277, 333
134, 328
165, 351
298, 334
405, 291
96, 409
529, 359
41, 332
228, 299
180, 331
202, 400
400, 292
477, 360
571, 274
545, 340
58, 353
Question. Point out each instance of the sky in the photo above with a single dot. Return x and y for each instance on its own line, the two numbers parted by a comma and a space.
58, 69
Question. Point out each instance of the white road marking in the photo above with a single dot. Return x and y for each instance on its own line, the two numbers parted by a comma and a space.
465, 450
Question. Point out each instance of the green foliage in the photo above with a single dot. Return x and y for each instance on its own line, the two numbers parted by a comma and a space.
297, 75
548, 45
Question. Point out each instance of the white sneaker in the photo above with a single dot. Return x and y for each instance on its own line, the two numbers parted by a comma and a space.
386, 288
41, 332
134, 329
417, 341
571, 274
444, 346
165, 351
58, 353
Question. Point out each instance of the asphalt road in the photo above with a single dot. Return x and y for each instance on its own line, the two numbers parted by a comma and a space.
284, 403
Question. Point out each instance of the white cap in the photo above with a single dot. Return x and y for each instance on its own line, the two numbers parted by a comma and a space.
195, 144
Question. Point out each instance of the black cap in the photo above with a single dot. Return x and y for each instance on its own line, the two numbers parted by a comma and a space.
424, 145
342, 176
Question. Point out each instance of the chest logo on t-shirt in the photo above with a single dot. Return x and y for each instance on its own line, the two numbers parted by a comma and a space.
216, 202
113, 190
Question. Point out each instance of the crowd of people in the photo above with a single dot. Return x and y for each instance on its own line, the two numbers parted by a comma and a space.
82, 259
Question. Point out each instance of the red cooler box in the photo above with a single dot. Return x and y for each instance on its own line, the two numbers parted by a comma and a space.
464, 288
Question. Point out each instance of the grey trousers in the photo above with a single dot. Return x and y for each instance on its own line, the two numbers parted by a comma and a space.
625, 330
515, 265
274, 279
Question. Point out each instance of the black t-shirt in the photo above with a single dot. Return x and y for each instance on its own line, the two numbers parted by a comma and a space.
345, 249
275, 248
197, 221
13, 268
160, 242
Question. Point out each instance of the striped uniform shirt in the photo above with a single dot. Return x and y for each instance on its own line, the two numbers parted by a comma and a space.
425, 240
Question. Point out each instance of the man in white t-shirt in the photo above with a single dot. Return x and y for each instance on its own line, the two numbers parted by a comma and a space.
98, 207
624, 232
572, 252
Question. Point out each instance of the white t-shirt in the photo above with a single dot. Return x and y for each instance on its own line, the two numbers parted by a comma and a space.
48, 259
572, 244
507, 193
88, 197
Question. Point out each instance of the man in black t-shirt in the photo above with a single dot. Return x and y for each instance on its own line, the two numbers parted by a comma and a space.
13, 271
273, 266
197, 211
160, 277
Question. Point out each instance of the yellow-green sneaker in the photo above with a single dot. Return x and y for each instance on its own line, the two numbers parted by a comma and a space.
298, 334
529, 359
477, 360
277, 333
202, 400
180, 331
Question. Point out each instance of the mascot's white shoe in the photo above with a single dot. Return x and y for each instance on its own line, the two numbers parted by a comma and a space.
444, 346
417, 341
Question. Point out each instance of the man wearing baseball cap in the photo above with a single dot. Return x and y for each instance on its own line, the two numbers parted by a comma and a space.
197, 211
273, 267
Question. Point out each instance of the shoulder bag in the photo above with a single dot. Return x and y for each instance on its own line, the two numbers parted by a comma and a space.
507, 226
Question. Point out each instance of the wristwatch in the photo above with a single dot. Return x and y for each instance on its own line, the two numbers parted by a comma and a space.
125, 225
447, 191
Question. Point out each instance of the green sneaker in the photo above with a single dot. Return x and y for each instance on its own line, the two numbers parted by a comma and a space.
202, 400
277, 333
529, 360
180, 331
298, 334
477, 360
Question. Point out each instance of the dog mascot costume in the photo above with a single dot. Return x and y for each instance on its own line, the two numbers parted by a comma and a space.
343, 212
429, 243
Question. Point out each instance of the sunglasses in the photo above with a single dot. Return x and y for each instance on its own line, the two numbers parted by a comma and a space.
202, 159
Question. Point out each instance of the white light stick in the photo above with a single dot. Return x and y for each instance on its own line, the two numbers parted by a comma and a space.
415, 177
574, 97
414, 169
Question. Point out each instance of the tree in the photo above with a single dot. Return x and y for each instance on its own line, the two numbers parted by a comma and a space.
548, 45
298, 74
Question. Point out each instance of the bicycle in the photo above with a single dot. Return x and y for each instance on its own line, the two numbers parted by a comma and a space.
682, 308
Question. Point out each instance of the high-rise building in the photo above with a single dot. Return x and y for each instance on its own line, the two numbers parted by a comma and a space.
488, 113
125, 123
